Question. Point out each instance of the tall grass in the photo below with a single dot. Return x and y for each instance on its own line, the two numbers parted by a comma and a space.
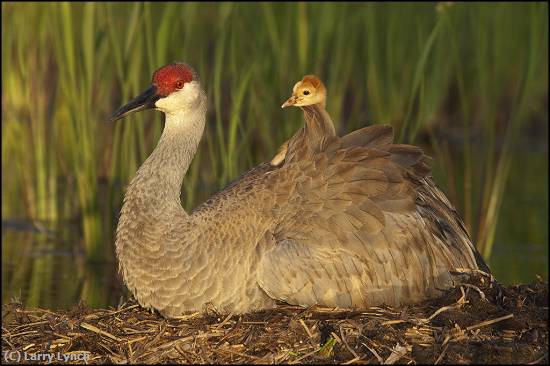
476, 71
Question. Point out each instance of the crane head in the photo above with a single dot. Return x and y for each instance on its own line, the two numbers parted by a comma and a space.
174, 86
308, 91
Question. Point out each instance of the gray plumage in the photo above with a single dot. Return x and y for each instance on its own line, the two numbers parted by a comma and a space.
354, 222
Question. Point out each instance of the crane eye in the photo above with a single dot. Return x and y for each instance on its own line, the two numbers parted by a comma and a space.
179, 84
306, 92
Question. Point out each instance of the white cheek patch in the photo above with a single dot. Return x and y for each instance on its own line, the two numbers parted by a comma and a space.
182, 99
167, 104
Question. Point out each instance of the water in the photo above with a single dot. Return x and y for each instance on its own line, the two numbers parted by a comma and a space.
47, 272
521, 243
48, 269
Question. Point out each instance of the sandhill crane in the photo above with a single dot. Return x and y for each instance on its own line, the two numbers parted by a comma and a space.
349, 222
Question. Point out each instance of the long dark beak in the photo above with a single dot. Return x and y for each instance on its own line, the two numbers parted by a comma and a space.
145, 100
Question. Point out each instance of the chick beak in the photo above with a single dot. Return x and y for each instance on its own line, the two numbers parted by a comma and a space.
290, 101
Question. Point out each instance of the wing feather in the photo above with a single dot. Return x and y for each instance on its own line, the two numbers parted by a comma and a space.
367, 226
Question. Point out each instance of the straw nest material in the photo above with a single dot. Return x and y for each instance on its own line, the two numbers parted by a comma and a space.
477, 321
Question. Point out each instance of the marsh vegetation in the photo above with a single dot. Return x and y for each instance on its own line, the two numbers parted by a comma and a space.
467, 82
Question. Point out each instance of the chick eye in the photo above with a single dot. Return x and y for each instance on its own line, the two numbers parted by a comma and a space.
306, 92
179, 84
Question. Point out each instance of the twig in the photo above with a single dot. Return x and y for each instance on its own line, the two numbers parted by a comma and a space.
396, 353
98, 331
23, 333
351, 361
442, 309
346, 343
187, 317
306, 328
304, 356
8, 342
488, 322
390, 322
224, 321
228, 350
470, 270
183, 353
481, 294
29, 325
441, 354
380, 359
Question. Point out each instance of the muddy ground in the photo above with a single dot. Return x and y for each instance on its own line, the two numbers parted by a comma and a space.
478, 321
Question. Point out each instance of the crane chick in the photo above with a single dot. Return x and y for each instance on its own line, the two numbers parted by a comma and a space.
308, 91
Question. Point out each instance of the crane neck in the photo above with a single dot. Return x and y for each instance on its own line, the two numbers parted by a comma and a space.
318, 123
158, 181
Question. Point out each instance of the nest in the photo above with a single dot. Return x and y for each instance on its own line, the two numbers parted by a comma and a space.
478, 321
